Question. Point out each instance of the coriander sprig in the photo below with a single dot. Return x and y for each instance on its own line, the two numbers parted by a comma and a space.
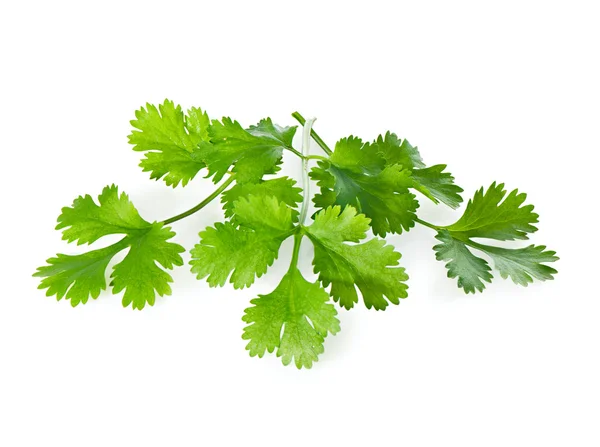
364, 187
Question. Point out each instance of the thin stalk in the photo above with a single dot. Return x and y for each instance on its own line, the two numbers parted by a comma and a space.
291, 149
313, 134
296, 250
427, 224
202, 204
316, 157
305, 181
458, 237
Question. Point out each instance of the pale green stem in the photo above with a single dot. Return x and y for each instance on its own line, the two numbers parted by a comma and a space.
314, 134
305, 181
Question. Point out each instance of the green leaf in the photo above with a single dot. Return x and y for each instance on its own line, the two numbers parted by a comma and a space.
353, 155
139, 275
431, 182
294, 319
372, 267
272, 132
488, 215
282, 188
252, 153
437, 185
86, 222
77, 277
356, 177
246, 251
170, 141
80, 276
263, 214
470, 270
398, 152
522, 265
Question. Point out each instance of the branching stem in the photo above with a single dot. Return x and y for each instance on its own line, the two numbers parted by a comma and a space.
313, 134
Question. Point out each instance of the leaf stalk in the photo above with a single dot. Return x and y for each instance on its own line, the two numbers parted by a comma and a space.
307, 127
313, 134
202, 204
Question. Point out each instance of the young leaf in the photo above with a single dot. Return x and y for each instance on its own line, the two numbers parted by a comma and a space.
86, 222
437, 185
246, 251
170, 141
252, 153
489, 216
77, 277
351, 154
432, 182
273, 132
371, 266
282, 188
139, 275
398, 152
355, 176
470, 270
294, 319
522, 265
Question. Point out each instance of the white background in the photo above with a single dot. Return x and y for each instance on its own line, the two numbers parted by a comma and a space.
509, 92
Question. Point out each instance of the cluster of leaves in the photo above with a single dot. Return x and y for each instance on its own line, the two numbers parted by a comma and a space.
77, 277
491, 215
364, 187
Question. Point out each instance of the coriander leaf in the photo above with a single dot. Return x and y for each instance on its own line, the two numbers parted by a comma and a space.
294, 319
197, 123
253, 153
225, 248
77, 277
80, 276
353, 155
370, 266
470, 270
170, 141
437, 185
282, 188
139, 275
398, 152
487, 215
357, 177
246, 251
432, 182
173, 167
281, 135
521, 264
86, 222
263, 214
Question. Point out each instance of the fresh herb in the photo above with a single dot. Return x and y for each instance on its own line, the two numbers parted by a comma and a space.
364, 187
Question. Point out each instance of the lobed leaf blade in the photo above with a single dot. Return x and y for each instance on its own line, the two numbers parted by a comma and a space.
371, 267
294, 319
170, 140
